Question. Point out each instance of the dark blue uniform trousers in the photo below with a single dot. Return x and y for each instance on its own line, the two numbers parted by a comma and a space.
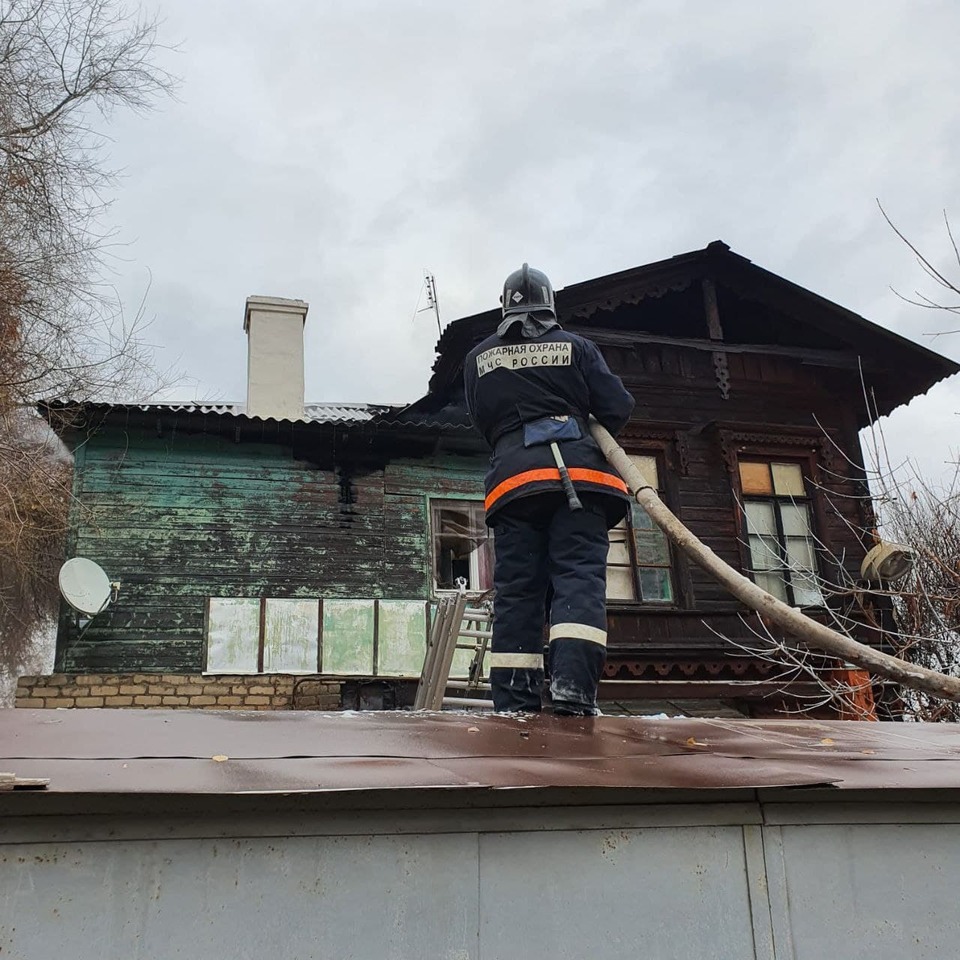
543, 548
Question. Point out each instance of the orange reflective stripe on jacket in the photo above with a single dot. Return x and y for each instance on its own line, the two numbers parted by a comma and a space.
552, 473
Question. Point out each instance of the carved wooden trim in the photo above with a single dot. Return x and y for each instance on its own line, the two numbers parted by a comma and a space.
650, 441
637, 430
620, 667
652, 291
681, 441
722, 373
728, 451
671, 442
734, 439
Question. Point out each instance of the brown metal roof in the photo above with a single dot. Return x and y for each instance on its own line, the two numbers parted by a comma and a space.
206, 752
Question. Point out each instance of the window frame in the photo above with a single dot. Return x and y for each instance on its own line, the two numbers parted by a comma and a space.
437, 501
640, 446
809, 468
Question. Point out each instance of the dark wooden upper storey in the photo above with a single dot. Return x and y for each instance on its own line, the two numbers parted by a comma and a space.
715, 301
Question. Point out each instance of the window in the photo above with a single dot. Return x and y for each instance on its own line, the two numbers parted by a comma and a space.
462, 545
638, 562
780, 542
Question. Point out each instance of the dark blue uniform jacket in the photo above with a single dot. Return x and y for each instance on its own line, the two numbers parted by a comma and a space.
514, 382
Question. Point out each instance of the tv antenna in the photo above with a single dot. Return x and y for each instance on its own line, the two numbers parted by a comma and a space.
87, 589
430, 286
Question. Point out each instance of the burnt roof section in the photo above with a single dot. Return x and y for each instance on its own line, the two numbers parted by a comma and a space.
364, 422
206, 752
355, 430
450, 417
337, 413
912, 368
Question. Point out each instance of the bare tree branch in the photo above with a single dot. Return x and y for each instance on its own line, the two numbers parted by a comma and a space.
65, 66
920, 299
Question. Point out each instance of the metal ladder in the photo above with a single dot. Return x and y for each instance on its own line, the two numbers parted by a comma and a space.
455, 621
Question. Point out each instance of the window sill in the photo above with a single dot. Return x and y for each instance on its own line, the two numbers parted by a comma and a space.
632, 606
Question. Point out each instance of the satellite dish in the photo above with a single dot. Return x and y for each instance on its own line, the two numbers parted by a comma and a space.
85, 586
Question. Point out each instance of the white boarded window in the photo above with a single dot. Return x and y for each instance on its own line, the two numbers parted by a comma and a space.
401, 637
338, 637
638, 561
290, 636
233, 635
348, 637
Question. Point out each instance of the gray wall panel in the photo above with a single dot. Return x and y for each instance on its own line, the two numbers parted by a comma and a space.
668, 893
869, 891
306, 899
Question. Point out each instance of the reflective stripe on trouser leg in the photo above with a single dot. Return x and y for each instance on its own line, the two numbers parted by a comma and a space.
578, 631
520, 578
578, 546
516, 661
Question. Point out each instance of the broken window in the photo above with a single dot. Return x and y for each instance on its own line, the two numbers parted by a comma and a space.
779, 531
462, 545
638, 561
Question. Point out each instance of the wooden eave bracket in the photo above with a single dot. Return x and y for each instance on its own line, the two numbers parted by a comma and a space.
10, 781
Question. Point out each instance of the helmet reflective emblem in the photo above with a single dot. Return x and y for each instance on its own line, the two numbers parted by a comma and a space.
517, 297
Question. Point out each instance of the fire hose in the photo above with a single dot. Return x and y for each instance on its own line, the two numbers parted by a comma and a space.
809, 631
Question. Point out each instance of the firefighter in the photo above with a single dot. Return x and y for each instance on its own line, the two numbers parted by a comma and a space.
530, 389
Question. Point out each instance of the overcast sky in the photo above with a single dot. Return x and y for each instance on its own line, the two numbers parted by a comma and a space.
332, 150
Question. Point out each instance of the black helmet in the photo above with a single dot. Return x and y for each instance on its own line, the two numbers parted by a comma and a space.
527, 290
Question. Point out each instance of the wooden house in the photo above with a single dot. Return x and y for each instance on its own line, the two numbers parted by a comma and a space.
296, 549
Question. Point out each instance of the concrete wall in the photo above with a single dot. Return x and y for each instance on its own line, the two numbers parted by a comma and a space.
671, 881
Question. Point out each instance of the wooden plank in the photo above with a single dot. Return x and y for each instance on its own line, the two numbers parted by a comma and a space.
10, 781
711, 309
141, 654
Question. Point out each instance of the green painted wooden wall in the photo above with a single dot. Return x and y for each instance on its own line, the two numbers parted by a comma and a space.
179, 520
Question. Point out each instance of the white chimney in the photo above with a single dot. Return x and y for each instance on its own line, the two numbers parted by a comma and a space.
274, 328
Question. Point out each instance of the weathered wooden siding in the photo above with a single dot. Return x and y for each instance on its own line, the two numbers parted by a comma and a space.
181, 520
408, 485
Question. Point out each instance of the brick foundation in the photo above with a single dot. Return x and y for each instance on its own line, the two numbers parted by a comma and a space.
177, 690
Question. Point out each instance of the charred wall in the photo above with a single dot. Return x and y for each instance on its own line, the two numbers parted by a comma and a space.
182, 518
